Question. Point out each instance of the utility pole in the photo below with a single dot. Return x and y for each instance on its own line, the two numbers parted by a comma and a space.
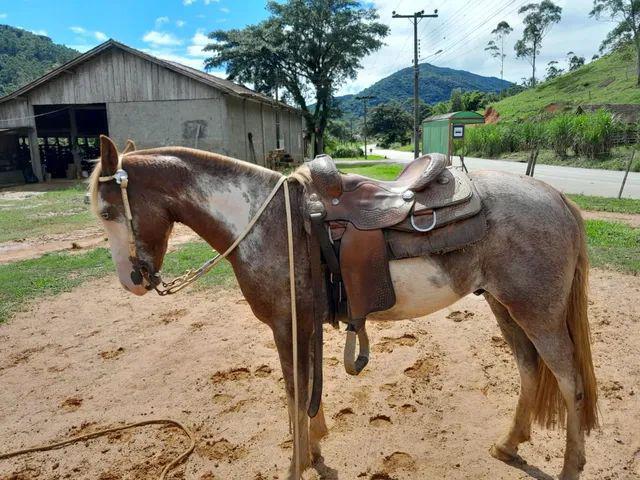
415, 19
364, 99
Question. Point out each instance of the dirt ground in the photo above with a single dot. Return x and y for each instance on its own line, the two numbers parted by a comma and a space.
437, 393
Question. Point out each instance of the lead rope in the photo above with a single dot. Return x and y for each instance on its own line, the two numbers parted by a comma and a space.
170, 466
294, 333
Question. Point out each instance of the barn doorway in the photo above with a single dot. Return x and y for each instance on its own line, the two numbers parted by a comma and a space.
69, 137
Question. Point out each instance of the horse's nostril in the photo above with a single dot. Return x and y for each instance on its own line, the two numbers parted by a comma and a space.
136, 277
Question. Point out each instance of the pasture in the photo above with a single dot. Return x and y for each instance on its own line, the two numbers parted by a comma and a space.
79, 353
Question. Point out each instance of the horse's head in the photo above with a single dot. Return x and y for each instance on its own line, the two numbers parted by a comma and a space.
138, 242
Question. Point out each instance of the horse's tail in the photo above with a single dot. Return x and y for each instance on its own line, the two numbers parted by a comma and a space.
549, 408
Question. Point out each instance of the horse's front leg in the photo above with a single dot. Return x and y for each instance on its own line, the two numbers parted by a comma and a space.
282, 337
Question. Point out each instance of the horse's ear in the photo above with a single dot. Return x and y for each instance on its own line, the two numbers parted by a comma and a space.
129, 147
108, 156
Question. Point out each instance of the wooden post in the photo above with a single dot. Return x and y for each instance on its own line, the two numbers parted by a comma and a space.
74, 141
34, 149
626, 174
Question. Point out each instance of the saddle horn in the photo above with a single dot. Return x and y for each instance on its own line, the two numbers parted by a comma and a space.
352, 364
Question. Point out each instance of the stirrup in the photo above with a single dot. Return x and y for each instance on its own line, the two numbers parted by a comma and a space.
353, 365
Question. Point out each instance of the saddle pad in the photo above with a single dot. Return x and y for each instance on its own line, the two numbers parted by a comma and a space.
449, 238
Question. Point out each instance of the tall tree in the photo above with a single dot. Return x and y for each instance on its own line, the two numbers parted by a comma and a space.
574, 61
495, 47
391, 123
627, 14
538, 20
308, 47
553, 71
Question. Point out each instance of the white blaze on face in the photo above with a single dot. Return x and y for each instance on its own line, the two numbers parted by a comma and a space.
119, 244
421, 288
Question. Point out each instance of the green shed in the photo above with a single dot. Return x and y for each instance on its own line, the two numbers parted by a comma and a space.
439, 131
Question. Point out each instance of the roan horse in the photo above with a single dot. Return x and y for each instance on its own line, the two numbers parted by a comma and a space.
532, 265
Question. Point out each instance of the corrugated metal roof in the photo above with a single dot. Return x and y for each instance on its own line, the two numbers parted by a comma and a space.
222, 84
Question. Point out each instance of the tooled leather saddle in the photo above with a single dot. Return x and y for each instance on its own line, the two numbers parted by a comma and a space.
361, 224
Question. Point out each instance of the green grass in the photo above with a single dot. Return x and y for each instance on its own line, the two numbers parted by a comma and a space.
616, 161
605, 204
370, 156
56, 211
28, 280
381, 172
610, 79
614, 245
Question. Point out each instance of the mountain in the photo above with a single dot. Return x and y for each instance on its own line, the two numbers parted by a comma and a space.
436, 85
25, 56
607, 80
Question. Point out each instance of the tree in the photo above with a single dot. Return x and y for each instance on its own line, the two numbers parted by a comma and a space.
390, 122
538, 20
575, 62
307, 47
553, 71
456, 100
502, 31
627, 14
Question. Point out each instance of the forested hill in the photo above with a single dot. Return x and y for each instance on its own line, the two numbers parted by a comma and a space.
436, 85
25, 56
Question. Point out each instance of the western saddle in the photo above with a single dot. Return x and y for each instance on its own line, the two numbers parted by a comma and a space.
361, 224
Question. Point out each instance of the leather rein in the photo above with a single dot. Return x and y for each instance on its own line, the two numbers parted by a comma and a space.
154, 281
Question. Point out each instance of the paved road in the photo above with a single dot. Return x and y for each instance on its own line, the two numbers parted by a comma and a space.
589, 181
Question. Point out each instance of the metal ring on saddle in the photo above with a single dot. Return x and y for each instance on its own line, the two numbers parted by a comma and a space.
424, 230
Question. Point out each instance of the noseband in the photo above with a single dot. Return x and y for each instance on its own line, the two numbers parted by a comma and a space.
141, 269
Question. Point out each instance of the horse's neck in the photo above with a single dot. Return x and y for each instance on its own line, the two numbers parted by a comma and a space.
221, 202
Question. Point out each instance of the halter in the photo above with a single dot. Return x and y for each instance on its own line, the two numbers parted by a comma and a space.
190, 276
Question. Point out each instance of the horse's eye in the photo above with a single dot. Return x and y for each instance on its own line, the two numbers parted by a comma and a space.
106, 215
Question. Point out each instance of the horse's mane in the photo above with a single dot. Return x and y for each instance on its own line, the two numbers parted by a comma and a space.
189, 155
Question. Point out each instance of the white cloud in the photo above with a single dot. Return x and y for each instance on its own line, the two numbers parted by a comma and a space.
198, 42
40, 32
78, 30
161, 20
81, 47
161, 39
208, 2
463, 30
101, 37
3, 15
224, 10
188, 2
180, 23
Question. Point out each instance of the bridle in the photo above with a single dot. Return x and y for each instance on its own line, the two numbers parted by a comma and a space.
140, 268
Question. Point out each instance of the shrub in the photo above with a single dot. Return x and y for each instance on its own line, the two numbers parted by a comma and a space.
560, 134
345, 150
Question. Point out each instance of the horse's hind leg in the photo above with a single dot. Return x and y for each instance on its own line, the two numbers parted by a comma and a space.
506, 449
317, 431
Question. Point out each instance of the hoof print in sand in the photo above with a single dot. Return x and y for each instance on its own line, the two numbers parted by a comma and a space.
399, 461
380, 420
263, 371
233, 375
172, 315
222, 449
111, 354
72, 404
458, 316
421, 369
387, 344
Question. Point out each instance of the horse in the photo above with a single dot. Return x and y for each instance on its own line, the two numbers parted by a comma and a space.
532, 266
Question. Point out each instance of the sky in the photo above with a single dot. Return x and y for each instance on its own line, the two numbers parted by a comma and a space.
176, 30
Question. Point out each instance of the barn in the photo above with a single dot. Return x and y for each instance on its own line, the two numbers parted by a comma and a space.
51, 126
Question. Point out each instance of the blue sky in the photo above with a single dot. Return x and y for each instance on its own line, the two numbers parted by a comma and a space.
176, 30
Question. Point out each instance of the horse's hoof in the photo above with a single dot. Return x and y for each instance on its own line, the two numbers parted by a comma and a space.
503, 454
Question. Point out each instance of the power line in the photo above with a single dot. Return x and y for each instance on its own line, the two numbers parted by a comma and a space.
415, 19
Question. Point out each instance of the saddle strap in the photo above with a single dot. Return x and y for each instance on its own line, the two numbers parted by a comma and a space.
317, 279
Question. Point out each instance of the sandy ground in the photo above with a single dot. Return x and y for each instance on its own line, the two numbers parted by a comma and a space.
437, 393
